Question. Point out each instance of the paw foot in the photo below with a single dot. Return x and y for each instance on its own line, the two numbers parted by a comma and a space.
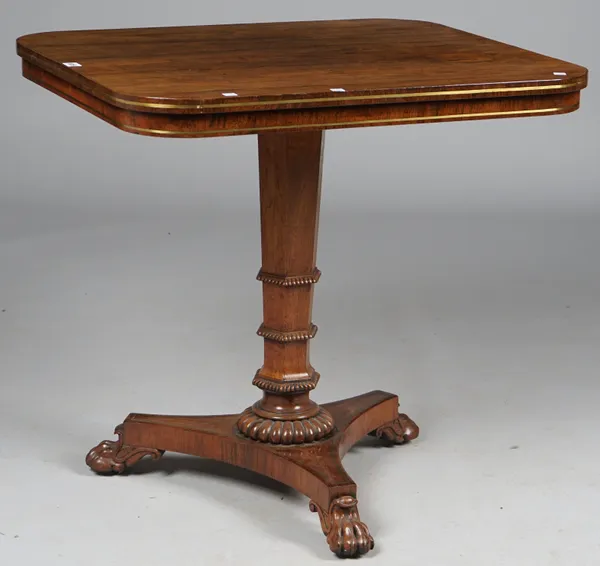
347, 535
402, 429
114, 457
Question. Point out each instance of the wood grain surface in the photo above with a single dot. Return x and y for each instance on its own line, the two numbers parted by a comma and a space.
315, 470
254, 122
199, 69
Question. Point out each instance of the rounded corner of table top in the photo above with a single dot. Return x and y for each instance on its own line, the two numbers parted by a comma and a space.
23, 40
579, 74
26, 44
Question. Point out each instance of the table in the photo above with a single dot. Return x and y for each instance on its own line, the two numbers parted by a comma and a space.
287, 83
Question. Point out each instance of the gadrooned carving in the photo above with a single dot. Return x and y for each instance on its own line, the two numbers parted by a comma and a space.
274, 431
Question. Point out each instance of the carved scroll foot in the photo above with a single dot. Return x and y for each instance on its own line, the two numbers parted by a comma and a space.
402, 429
114, 457
347, 535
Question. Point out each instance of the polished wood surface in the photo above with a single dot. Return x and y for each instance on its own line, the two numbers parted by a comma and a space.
315, 469
288, 82
187, 69
201, 81
290, 196
315, 119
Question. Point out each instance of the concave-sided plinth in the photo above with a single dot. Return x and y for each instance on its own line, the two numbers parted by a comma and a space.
284, 435
314, 469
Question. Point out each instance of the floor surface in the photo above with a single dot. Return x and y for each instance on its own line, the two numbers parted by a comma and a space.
487, 324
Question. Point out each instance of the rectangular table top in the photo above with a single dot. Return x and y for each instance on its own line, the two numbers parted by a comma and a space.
287, 65
230, 65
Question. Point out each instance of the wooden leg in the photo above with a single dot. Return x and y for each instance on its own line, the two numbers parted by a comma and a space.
285, 435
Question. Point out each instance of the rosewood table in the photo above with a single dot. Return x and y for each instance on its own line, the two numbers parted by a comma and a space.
288, 82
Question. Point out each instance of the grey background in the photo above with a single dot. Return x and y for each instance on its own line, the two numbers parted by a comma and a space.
460, 270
